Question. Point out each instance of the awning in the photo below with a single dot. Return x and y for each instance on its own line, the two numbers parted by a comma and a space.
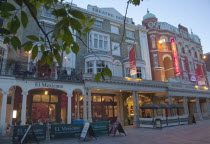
175, 106
163, 106
149, 106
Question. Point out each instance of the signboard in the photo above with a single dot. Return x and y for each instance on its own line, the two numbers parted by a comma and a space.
200, 76
85, 130
38, 130
132, 59
48, 85
109, 13
100, 128
175, 56
117, 126
59, 131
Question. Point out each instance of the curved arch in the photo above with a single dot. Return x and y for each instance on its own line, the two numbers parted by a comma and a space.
164, 37
167, 55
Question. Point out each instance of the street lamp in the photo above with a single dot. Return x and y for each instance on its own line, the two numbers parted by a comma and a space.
204, 57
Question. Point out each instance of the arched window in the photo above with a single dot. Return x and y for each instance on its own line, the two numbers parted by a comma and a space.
183, 50
163, 41
153, 41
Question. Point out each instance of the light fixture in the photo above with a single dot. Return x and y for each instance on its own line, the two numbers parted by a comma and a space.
204, 57
161, 41
120, 90
14, 114
46, 92
98, 89
65, 57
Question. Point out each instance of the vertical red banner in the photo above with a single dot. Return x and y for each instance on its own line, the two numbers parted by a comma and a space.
200, 76
175, 56
132, 59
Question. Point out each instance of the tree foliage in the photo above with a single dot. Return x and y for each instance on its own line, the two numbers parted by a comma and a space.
17, 14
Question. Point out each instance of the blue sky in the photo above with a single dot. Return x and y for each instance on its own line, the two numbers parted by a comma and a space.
193, 14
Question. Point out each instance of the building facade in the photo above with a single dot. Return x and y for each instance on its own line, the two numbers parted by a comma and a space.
31, 91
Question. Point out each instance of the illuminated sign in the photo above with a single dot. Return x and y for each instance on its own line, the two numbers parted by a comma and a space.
176, 60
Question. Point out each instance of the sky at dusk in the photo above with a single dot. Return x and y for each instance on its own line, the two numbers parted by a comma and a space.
193, 14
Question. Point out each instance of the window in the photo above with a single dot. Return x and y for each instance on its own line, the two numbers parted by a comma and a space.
155, 58
117, 68
139, 72
48, 13
90, 67
115, 49
100, 65
192, 70
127, 72
129, 34
99, 41
114, 29
153, 42
183, 65
183, 50
98, 24
164, 45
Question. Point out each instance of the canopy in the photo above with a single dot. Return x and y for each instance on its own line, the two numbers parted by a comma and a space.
163, 106
175, 106
149, 106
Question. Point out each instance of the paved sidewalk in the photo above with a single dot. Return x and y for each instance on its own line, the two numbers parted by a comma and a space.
186, 134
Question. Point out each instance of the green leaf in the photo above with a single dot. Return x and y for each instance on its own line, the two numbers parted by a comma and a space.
13, 25
67, 37
75, 24
5, 6
4, 31
97, 77
24, 19
107, 72
68, 50
75, 48
6, 40
76, 14
15, 42
5, 14
28, 45
34, 52
33, 9
42, 39
33, 37
135, 2
59, 12
42, 47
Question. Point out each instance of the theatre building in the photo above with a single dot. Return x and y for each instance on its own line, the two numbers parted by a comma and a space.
31, 92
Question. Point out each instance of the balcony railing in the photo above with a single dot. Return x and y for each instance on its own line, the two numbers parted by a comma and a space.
25, 70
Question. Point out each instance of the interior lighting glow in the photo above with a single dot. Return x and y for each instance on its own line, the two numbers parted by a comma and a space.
14, 114
46, 92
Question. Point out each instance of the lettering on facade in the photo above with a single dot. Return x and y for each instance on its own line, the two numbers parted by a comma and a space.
48, 85
107, 13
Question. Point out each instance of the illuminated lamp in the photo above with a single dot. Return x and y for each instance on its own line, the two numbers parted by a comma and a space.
204, 57
14, 114
46, 92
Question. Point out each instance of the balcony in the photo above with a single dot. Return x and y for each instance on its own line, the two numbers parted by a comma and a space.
26, 70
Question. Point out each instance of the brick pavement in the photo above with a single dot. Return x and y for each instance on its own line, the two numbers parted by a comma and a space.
187, 134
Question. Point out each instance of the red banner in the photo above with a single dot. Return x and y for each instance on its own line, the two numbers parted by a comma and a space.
200, 76
175, 56
132, 58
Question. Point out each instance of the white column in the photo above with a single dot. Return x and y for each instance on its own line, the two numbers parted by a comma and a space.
136, 109
12, 107
185, 104
89, 106
3, 113
23, 111
85, 106
208, 106
198, 108
69, 110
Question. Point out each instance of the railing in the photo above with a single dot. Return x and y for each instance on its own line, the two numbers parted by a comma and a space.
25, 70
